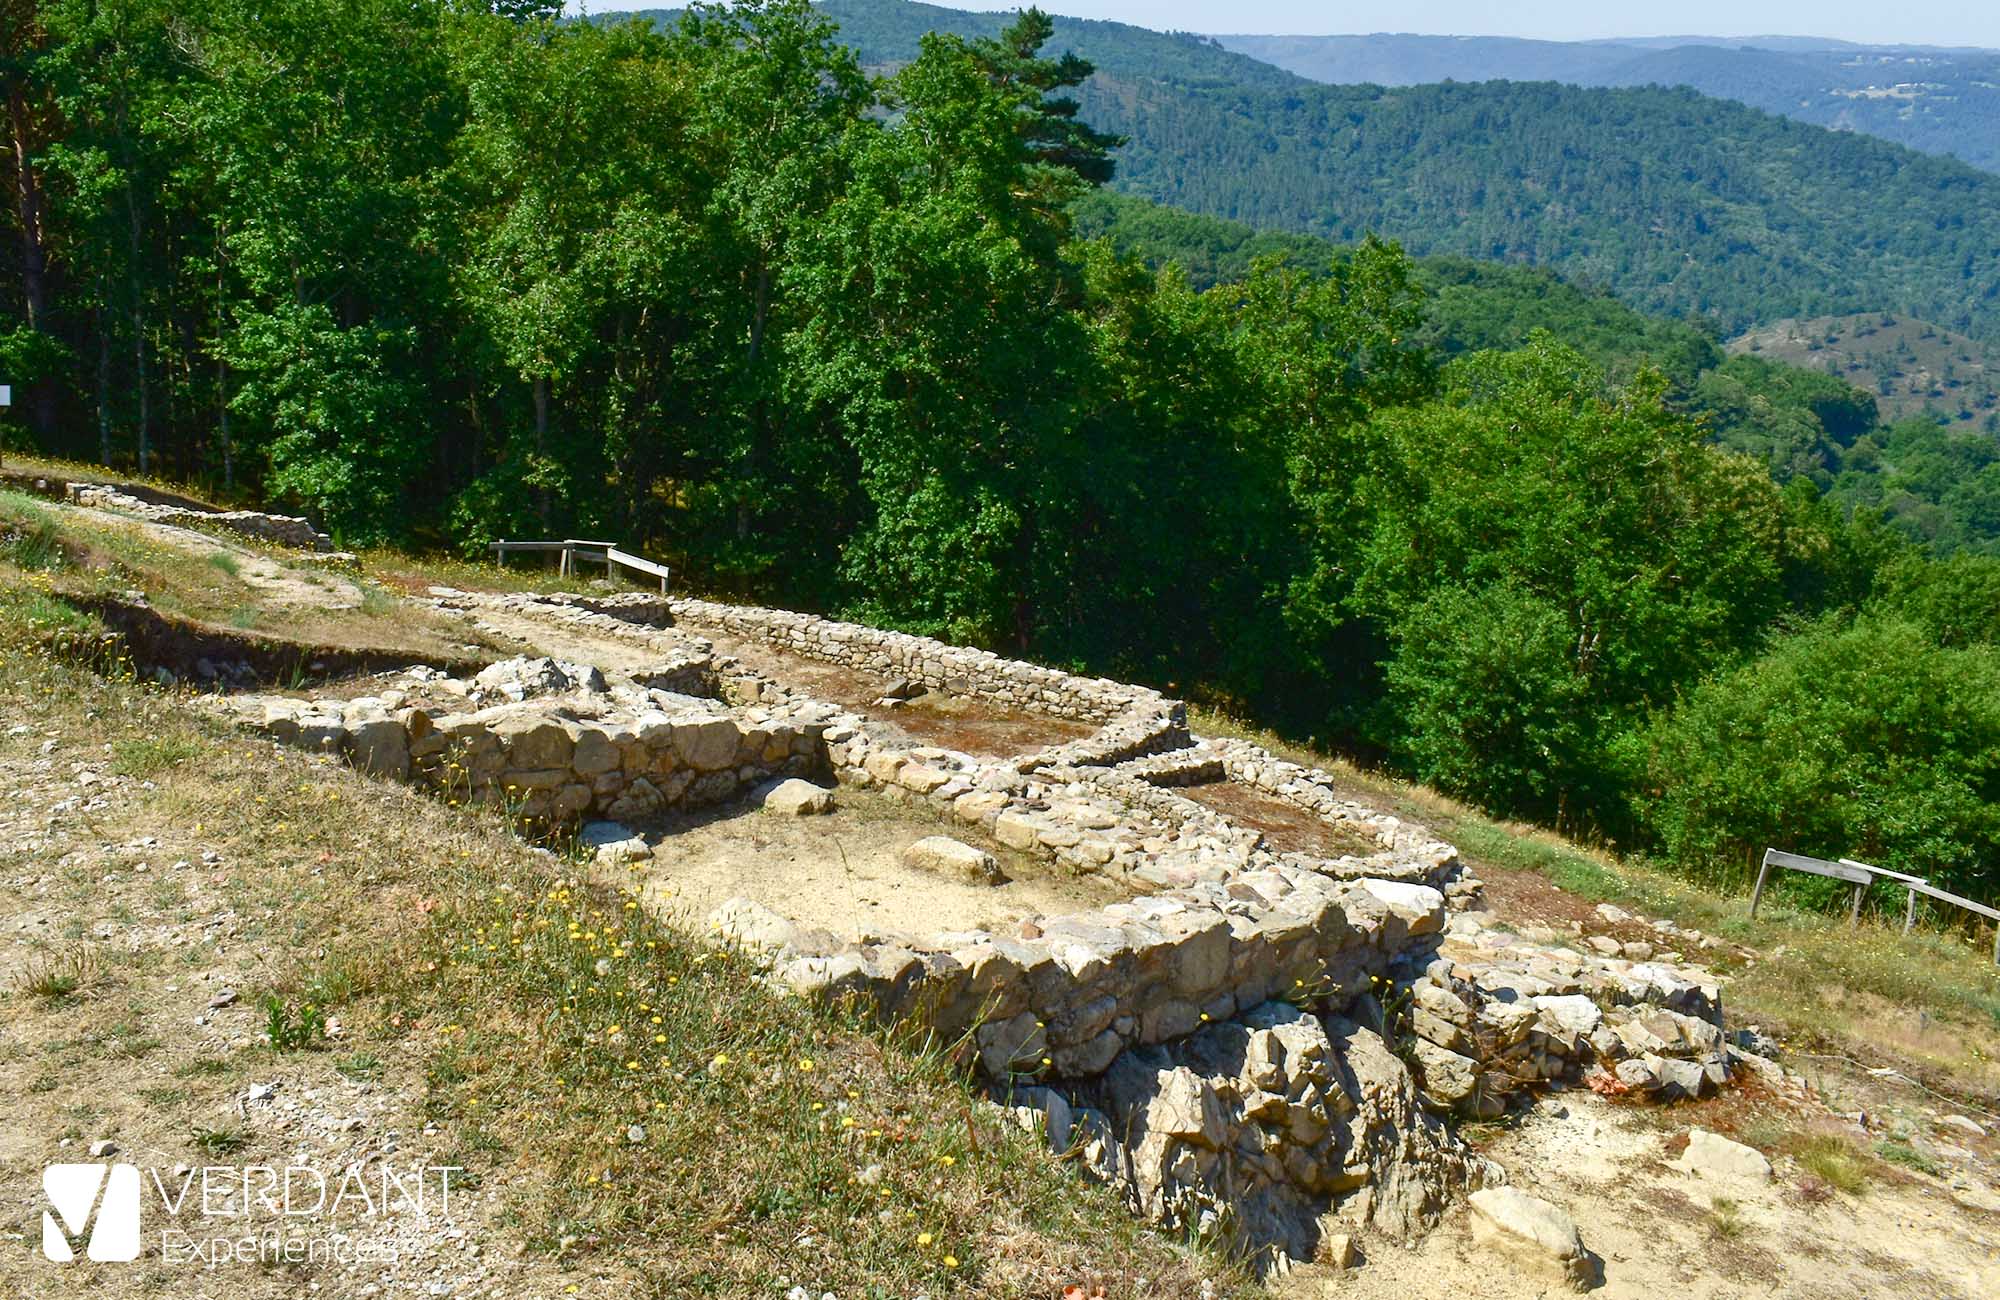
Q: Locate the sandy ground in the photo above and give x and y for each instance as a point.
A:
(844, 872)
(1656, 1229)
(614, 656)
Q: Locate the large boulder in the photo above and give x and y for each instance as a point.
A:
(751, 926)
(1533, 1229)
(1448, 1077)
(946, 856)
(794, 797)
(707, 745)
(1716, 1156)
(614, 844)
(515, 680)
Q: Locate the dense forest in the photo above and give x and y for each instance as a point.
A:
(1674, 201)
(438, 272)
(1929, 469)
(1943, 101)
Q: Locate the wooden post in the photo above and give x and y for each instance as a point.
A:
(1854, 914)
(1757, 894)
(1910, 913)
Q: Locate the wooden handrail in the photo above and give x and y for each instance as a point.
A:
(575, 548)
(1861, 875)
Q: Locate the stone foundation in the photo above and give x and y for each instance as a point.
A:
(582, 750)
(285, 530)
(1259, 1045)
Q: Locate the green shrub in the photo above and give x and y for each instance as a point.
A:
(1863, 740)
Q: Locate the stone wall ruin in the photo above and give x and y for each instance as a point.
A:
(1258, 1045)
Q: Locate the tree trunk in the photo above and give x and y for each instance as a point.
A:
(30, 209)
(753, 460)
(138, 329)
(222, 426)
(222, 372)
(28, 206)
(103, 387)
(541, 390)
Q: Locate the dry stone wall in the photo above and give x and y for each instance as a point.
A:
(571, 748)
(1067, 999)
(285, 530)
(1132, 720)
(1495, 1016)
(1248, 1132)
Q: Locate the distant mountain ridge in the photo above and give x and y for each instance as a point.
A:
(1937, 99)
(1674, 201)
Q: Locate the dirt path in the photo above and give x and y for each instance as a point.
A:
(640, 653)
(276, 583)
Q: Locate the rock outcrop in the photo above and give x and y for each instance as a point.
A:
(1269, 1131)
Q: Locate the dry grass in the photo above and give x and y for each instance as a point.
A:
(77, 471)
(80, 555)
(526, 1020)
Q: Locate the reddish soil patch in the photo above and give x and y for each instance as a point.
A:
(1286, 829)
(957, 722)
(1530, 898)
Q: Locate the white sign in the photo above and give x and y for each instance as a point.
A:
(6, 394)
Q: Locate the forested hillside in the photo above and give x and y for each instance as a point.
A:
(1943, 101)
(1674, 201)
(437, 274)
(1472, 304)
(1879, 413)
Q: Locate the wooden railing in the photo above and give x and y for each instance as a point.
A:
(1861, 875)
(575, 549)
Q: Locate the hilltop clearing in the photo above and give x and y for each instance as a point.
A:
(1912, 366)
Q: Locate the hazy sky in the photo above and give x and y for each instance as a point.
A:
(1913, 22)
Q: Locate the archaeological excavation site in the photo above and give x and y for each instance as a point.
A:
(1200, 971)
(1257, 1002)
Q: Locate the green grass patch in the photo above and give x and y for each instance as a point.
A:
(224, 1141)
(146, 756)
(1835, 1161)
(1898, 1152)
(59, 977)
(375, 602)
(360, 1066)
